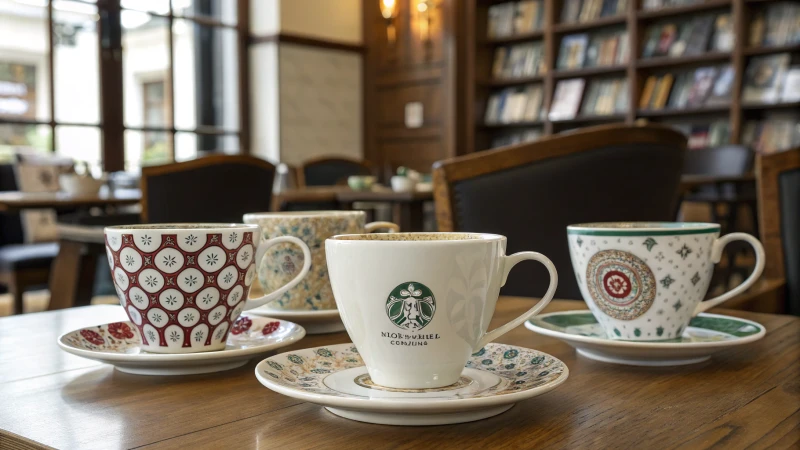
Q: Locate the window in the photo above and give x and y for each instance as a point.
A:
(156, 146)
(120, 84)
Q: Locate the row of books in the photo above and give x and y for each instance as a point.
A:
(517, 137)
(770, 79)
(691, 37)
(588, 10)
(778, 25)
(706, 135)
(508, 19)
(772, 135)
(704, 86)
(515, 105)
(602, 49)
(606, 97)
(658, 4)
(521, 60)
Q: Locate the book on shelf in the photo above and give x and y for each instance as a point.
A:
(607, 49)
(582, 11)
(514, 18)
(693, 88)
(567, 99)
(529, 16)
(661, 93)
(705, 135)
(514, 105)
(723, 86)
(704, 78)
(520, 60)
(763, 78)
(700, 35)
(791, 85)
(772, 135)
(606, 97)
(573, 51)
(781, 25)
(658, 4)
(501, 20)
(517, 137)
(685, 38)
(723, 34)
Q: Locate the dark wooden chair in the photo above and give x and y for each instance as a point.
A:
(530, 192)
(778, 181)
(216, 188)
(330, 171)
(22, 266)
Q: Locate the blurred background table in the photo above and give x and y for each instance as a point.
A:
(18, 201)
(407, 207)
(747, 395)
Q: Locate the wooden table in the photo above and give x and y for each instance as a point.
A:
(745, 396)
(17, 201)
(407, 206)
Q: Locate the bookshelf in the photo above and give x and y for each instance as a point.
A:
(634, 25)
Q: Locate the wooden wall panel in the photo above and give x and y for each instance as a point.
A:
(409, 70)
(418, 154)
(392, 101)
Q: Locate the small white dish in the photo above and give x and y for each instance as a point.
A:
(120, 345)
(494, 379)
(705, 335)
(402, 184)
(319, 321)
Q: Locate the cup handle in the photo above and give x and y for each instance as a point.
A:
(716, 255)
(372, 226)
(274, 295)
(509, 263)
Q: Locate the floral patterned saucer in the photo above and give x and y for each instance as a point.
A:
(705, 335)
(119, 344)
(315, 322)
(494, 379)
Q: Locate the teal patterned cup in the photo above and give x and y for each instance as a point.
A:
(645, 281)
(283, 262)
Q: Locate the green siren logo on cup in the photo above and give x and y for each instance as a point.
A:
(410, 306)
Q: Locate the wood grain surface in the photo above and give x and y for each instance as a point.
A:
(745, 396)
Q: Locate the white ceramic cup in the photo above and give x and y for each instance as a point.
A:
(184, 285)
(645, 281)
(416, 305)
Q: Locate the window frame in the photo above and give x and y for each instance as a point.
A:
(112, 122)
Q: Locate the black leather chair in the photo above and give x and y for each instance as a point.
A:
(778, 178)
(216, 188)
(22, 266)
(330, 171)
(531, 192)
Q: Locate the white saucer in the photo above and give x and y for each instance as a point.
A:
(315, 322)
(124, 352)
(335, 377)
(705, 335)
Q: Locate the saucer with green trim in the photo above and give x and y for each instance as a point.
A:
(705, 335)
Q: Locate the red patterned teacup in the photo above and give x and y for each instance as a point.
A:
(183, 285)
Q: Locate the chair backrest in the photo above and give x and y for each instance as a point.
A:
(330, 171)
(531, 192)
(10, 223)
(728, 160)
(778, 178)
(216, 188)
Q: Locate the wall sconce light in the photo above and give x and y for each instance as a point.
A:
(424, 18)
(389, 12)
